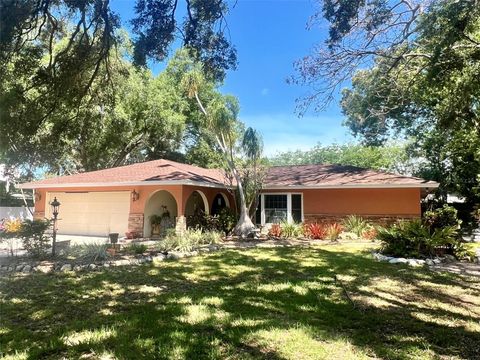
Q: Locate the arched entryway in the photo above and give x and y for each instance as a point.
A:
(220, 201)
(161, 208)
(195, 208)
(196, 202)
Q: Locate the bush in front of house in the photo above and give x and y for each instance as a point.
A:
(356, 225)
(34, 239)
(87, 252)
(189, 240)
(136, 249)
(315, 231)
(333, 231)
(444, 216)
(224, 221)
(291, 230)
(275, 231)
(417, 239)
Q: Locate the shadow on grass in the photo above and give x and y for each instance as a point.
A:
(231, 304)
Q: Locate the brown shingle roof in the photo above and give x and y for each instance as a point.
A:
(171, 172)
(150, 171)
(337, 176)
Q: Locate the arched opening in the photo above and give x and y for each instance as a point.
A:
(160, 214)
(220, 201)
(195, 207)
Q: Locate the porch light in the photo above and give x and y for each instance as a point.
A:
(135, 195)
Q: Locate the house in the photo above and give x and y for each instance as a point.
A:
(123, 199)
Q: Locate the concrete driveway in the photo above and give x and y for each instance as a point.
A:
(15, 245)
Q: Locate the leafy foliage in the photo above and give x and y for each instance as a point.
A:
(89, 252)
(189, 240)
(417, 239)
(390, 157)
(136, 248)
(10, 228)
(333, 231)
(444, 216)
(275, 231)
(355, 224)
(34, 239)
(291, 230)
(315, 231)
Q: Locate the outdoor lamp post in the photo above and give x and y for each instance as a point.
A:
(55, 204)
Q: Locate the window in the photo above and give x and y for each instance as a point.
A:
(297, 208)
(275, 208)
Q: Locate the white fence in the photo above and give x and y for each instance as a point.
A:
(9, 212)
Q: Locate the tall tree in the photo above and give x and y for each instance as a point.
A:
(390, 157)
(220, 116)
(419, 80)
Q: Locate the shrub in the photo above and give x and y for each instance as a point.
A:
(33, 236)
(10, 228)
(291, 230)
(226, 220)
(315, 231)
(442, 217)
(275, 231)
(333, 231)
(136, 248)
(355, 224)
(88, 252)
(189, 240)
(370, 233)
(417, 239)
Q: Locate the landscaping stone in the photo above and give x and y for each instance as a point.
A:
(413, 262)
(66, 267)
(77, 268)
(92, 266)
(437, 261)
(175, 255)
(19, 267)
(159, 257)
(398, 261)
(27, 269)
(46, 268)
(429, 262)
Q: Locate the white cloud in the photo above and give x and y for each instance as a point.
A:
(282, 132)
(265, 91)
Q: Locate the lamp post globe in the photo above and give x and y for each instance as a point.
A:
(55, 204)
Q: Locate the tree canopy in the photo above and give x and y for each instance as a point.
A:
(390, 157)
(414, 67)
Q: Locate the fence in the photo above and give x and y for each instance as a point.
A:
(9, 212)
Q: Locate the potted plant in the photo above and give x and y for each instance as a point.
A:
(155, 222)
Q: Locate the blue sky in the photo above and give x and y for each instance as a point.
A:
(269, 36)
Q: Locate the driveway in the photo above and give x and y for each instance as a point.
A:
(15, 245)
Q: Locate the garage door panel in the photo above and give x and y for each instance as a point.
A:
(92, 213)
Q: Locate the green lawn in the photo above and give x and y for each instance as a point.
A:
(280, 303)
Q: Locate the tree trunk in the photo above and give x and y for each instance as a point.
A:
(244, 225)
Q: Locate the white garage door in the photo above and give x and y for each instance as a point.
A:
(91, 213)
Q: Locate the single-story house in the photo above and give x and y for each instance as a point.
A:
(124, 198)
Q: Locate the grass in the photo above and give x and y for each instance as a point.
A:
(280, 303)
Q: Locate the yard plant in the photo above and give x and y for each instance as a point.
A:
(280, 303)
